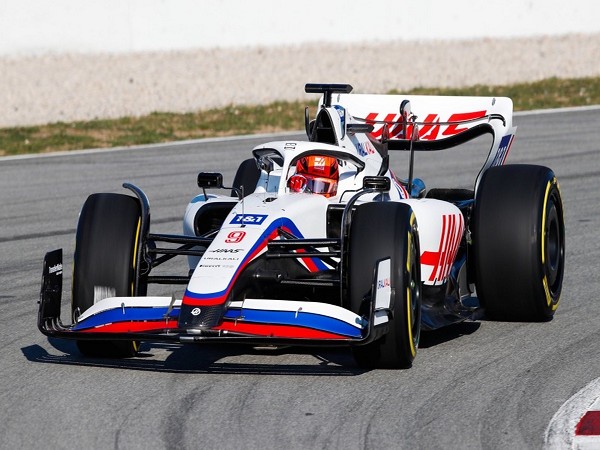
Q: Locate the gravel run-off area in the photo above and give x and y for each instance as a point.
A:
(67, 87)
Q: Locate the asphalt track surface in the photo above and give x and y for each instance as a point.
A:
(479, 384)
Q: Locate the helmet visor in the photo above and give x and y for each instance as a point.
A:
(318, 185)
(313, 185)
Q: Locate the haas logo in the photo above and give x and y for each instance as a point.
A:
(430, 129)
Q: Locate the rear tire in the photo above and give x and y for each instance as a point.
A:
(519, 242)
(105, 258)
(379, 231)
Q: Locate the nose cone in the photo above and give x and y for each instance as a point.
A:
(200, 317)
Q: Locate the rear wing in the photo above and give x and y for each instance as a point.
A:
(429, 119)
(426, 122)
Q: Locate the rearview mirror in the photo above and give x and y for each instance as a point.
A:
(377, 183)
(210, 180)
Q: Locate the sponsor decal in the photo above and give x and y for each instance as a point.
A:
(365, 148)
(57, 269)
(342, 113)
(220, 258)
(235, 237)
(503, 150)
(248, 219)
(383, 292)
(218, 266)
(381, 284)
(429, 130)
(195, 312)
(226, 250)
(319, 163)
(442, 260)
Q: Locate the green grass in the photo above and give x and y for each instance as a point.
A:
(278, 116)
(550, 93)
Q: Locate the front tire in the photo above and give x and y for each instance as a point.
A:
(108, 236)
(381, 231)
(519, 242)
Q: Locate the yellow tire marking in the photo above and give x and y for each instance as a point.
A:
(135, 344)
(409, 252)
(544, 279)
(550, 183)
(413, 350)
(547, 290)
(135, 252)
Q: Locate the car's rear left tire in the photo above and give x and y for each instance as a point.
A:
(380, 231)
(106, 247)
(519, 242)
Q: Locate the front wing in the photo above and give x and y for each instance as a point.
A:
(251, 321)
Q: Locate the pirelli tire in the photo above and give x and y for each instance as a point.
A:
(519, 242)
(106, 248)
(381, 231)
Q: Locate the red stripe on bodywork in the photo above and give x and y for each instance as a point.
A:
(440, 253)
(453, 248)
(589, 424)
(450, 237)
(448, 246)
(277, 331)
(209, 301)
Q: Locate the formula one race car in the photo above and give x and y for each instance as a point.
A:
(318, 242)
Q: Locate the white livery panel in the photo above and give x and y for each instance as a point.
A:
(441, 227)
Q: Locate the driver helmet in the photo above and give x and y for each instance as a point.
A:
(317, 174)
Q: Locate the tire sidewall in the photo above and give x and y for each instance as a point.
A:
(510, 217)
(106, 249)
(380, 231)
